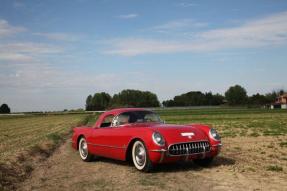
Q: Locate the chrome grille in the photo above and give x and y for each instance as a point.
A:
(189, 148)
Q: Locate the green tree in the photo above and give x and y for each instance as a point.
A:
(257, 99)
(100, 101)
(135, 98)
(5, 108)
(89, 103)
(194, 98)
(236, 95)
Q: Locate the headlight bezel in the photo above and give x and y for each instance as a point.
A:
(156, 136)
(214, 134)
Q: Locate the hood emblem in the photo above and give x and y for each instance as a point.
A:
(189, 134)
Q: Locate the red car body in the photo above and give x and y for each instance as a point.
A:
(181, 141)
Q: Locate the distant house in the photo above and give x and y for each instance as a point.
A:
(280, 103)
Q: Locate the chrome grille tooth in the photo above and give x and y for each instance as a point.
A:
(193, 147)
(184, 149)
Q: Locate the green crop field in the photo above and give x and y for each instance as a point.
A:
(18, 133)
(232, 122)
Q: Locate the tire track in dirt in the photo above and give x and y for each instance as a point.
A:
(65, 171)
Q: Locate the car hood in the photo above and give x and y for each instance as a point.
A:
(178, 133)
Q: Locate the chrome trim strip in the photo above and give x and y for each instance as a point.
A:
(158, 150)
(188, 154)
(110, 146)
(218, 145)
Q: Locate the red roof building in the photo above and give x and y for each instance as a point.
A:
(281, 102)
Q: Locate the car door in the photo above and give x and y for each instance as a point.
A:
(109, 141)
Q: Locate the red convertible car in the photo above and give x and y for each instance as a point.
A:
(140, 136)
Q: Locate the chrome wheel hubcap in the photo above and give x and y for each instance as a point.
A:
(84, 149)
(140, 155)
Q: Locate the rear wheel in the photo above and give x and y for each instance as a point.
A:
(83, 150)
(140, 157)
(203, 162)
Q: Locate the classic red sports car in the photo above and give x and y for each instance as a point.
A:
(140, 135)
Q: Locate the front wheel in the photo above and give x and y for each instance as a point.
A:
(140, 157)
(83, 150)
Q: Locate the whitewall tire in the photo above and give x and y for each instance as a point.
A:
(83, 150)
(140, 157)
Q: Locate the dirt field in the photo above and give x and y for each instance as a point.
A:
(239, 167)
(254, 155)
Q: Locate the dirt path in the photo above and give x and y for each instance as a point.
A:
(232, 170)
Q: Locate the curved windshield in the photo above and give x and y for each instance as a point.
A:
(136, 117)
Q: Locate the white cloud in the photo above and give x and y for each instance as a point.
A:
(185, 4)
(26, 51)
(30, 47)
(15, 57)
(129, 16)
(6, 29)
(267, 31)
(179, 24)
(135, 46)
(59, 36)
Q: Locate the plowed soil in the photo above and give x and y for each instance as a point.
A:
(246, 163)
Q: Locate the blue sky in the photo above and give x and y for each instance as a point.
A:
(54, 53)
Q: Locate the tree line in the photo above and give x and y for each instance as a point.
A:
(125, 98)
(234, 96)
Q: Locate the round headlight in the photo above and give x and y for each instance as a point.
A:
(214, 135)
(158, 139)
